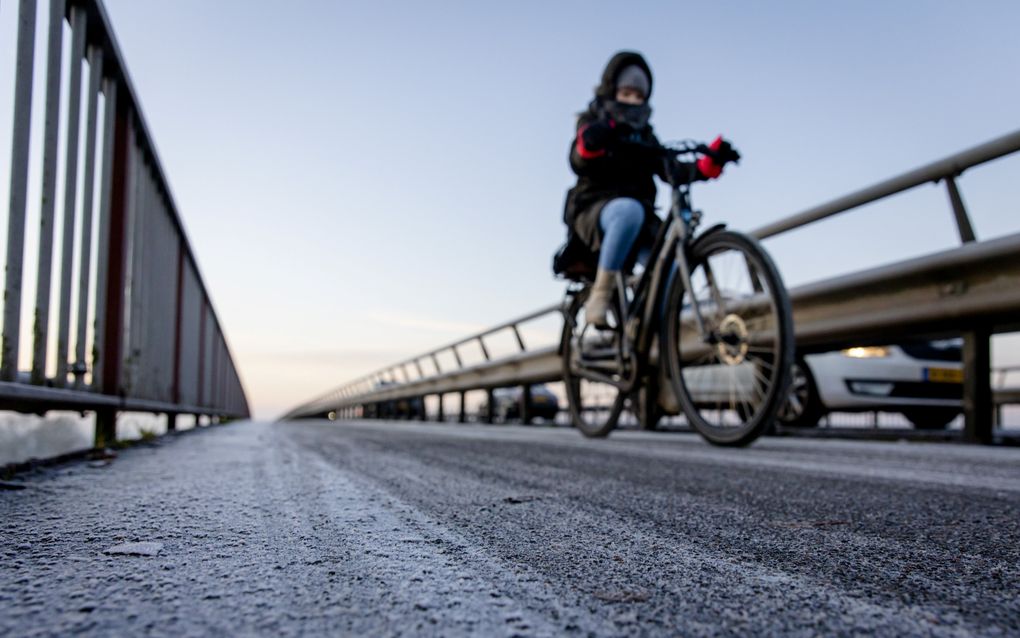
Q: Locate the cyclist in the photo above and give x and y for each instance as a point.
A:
(611, 208)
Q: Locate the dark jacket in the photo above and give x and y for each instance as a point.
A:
(622, 167)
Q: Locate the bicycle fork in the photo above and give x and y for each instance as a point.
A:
(676, 247)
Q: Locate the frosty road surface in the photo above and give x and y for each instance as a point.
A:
(386, 528)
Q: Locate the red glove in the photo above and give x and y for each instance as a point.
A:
(712, 167)
(593, 140)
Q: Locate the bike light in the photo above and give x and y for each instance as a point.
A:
(867, 352)
(874, 389)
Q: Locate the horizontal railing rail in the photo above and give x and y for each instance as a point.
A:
(972, 290)
(134, 327)
(946, 169)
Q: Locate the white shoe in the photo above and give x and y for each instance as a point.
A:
(596, 309)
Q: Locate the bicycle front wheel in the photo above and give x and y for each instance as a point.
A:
(730, 384)
(593, 371)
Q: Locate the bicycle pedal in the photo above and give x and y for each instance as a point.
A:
(599, 355)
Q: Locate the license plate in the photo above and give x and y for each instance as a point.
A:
(540, 399)
(943, 375)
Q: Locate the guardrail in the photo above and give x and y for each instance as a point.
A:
(154, 342)
(525, 367)
(973, 290)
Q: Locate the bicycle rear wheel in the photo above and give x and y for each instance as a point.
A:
(594, 371)
(731, 387)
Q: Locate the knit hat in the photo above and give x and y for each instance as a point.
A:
(606, 90)
(633, 77)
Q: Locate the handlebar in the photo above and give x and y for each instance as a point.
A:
(688, 147)
(675, 149)
(670, 153)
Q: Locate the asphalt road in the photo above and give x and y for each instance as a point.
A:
(389, 529)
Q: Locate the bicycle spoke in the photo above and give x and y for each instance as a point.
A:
(733, 389)
(731, 393)
(760, 378)
(762, 362)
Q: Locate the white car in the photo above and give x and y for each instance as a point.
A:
(921, 379)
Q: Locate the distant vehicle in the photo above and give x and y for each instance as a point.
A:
(923, 380)
(507, 403)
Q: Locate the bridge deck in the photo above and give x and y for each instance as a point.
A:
(380, 528)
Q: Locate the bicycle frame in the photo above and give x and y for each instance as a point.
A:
(670, 247)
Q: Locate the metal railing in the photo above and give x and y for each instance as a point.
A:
(525, 366)
(973, 290)
(145, 336)
(945, 170)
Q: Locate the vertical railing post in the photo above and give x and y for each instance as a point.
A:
(112, 285)
(520, 341)
(70, 194)
(178, 315)
(977, 387)
(214, 368)
(104, 245)
(20, 140)
(49, 192)
(80, 367)
(138, 257)
(224, 371)
(963, 224)
(201, 352)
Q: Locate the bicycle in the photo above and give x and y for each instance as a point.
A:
(709, 315)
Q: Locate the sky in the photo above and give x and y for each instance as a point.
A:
(365, 181)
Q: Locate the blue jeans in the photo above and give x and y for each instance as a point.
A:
(621, 220)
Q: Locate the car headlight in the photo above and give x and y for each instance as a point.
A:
(866, 352)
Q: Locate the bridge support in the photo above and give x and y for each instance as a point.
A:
(439, 413)
(106, 427)
(490, 409)
(977, 387)
(462, 417)
(525, 408)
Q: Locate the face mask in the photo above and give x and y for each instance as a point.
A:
(633, 115)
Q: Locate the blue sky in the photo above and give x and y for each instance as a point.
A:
(362, 181)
